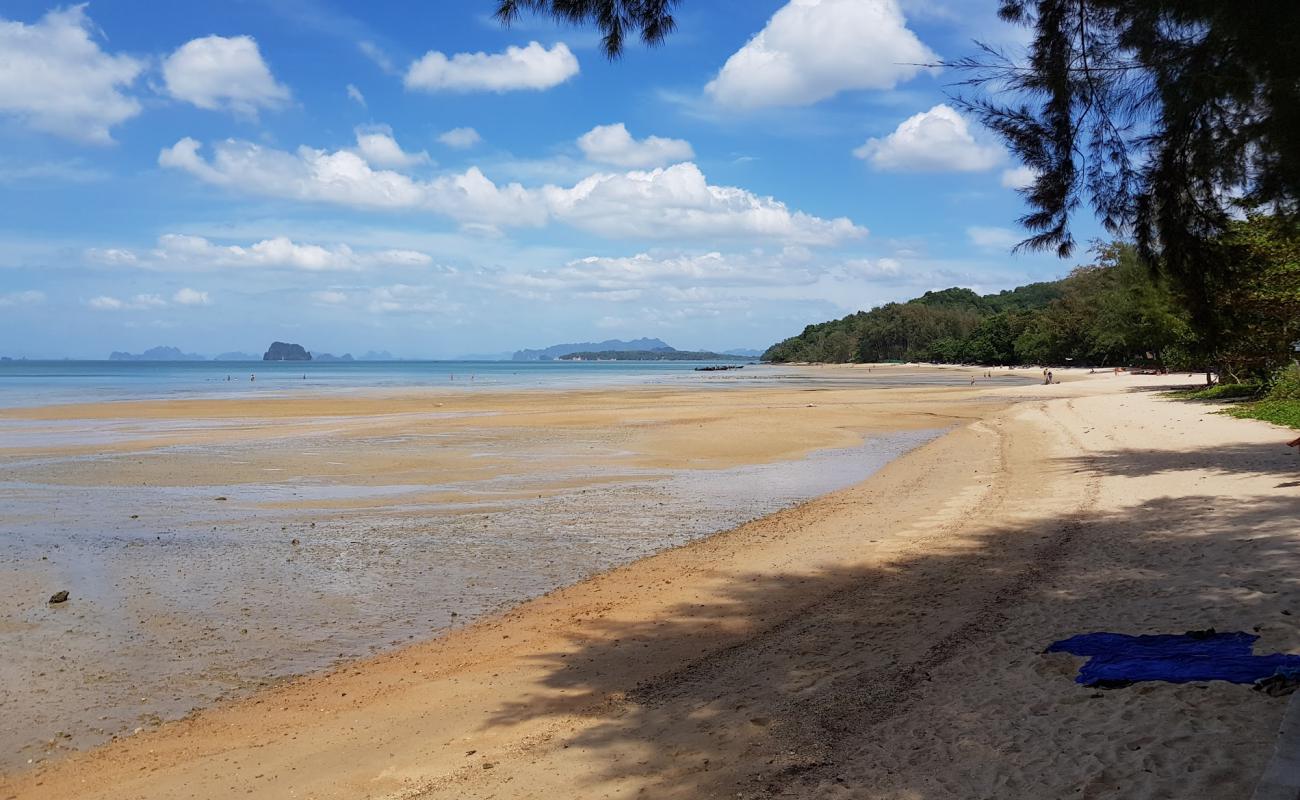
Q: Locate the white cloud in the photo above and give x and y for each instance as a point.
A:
(401, 298)
(938, 140)
(376, 54)
(664, 203)
(181, 251)
(56, 79)
(532, 67)
(871, 268)
(992, 238)
(105, 303)
(378, 147)
(139, 302)
(355, 95)
(460, 138)
(813, 49)
(27, 298)
(677, 201)
(220, 73)
(675, 277)
(330, 297)
(1018, 178)
(612, 144)
(191, 297)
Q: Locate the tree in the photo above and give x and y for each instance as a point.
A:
(1168, 116)
(652, 19)
(1257, 302)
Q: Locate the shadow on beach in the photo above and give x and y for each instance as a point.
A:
(924, 677)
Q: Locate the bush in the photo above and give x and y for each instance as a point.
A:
(1278, 412)
(1226, 391)
(1285, 384)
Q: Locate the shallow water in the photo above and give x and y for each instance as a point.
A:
(180, 598)
(30, 383)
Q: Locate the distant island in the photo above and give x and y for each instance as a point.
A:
(157, 354)
(332, 357)
(669, 354)
(559, 350)
(284, 351)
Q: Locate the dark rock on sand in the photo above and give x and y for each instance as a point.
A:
(59, 597)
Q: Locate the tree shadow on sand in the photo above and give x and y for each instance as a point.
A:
(1238, 459)
(924, 677)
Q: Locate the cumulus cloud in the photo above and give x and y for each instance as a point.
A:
(56, 79)
(191, 297)
(181, 251)
(139, 302)
(1018, 178)
(938, 140)
(355, 95)
(813, 49)
(378, 147)
(533, 67)
(993, 238)
(612, 144)
(223, 73)
(688, 277)
(27, 298)
(676, 201)
(460, 138)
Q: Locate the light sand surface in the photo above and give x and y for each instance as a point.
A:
(884, 641)
(212, 547)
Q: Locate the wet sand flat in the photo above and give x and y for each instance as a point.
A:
(216, 547)
(882, 641)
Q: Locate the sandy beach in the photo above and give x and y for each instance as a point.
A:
(881, 641)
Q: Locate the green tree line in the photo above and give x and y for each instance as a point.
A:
(1117, 311)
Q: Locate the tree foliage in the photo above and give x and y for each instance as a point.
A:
(1163, 114)
(1112, 313)
(652, 20)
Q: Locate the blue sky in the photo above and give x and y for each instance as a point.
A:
(416, 178)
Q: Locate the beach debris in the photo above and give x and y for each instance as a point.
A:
(1280, 683)
(220, 497)
(294, 542)
(59, 597)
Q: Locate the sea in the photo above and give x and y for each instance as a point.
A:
(35, 383)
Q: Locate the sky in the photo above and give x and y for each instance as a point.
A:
(417, 178)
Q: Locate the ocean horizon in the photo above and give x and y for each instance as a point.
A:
(47, 382)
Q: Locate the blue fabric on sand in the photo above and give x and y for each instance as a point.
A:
(1118, 658)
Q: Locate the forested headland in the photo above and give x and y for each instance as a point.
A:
(1116, 311)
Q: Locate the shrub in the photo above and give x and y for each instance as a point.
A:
(1285, 384)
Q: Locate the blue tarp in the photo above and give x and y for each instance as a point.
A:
(1118, 659)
